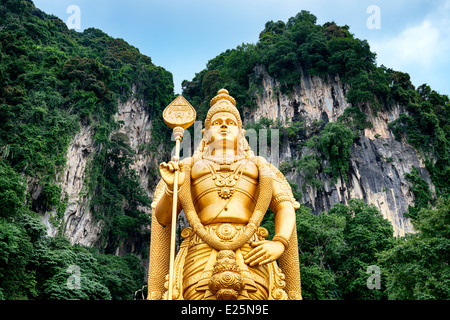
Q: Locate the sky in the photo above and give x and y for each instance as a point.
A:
(411, 36)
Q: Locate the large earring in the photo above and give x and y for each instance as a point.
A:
(203, 145)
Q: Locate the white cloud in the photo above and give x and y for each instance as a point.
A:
(421, 50)
(420, 45)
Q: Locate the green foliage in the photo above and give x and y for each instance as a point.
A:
(33, 266)
(12, 192)
(355, 119)
(418, 265)
(320, 244)
(309, 166)
(295, 131)
(366, 235)
(360, 90)
(17, 279)
(421, 191)
(52, 82)
(336, 249)
(335, 142)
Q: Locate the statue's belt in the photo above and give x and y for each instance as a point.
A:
(223, 232)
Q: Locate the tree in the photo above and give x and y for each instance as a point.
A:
(335, 142)
(366, 235)
(17, 280)
(321, 244)
(418, 265)
(336, 249)
(12, 192)
(313, 54)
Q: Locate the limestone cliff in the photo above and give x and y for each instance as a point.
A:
(77, 221)
(378, 162)
(78, 224)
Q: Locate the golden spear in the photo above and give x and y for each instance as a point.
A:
(179, 115)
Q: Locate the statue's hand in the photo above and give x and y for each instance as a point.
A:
(264, 252)
(167, 171)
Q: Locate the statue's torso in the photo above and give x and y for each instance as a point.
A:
(224, 194)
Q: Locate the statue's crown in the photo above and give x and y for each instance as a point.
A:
(223, 102)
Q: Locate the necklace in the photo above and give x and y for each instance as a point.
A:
(225, 159)
(225, 179)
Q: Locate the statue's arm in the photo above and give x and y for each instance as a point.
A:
(163, 208)
(283, 207)
(284, 222)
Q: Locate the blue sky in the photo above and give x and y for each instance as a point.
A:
(412, 36)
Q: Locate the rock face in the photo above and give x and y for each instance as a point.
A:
(313, 99)
(78, 222)
(378, 162)
(136, 124)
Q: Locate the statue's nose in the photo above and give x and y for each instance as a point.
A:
(223, 126)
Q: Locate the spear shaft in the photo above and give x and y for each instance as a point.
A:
(178, 115)
(178, 133)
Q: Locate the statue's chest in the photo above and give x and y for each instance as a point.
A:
(208, 176)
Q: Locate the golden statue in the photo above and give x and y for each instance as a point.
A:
(224, 191)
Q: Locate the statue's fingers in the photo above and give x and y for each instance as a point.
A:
(268, 260)
(257, 243)
(252, 252)
(259, 260)
(255, 254)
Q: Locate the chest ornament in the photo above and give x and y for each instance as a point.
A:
(226, 179)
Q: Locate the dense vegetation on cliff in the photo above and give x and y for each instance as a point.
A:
(53, 81)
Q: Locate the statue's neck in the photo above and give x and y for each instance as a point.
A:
(229, 153)
(225, 156)
(224, 150)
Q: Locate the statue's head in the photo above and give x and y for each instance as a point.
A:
(223, 103)
(223, 126)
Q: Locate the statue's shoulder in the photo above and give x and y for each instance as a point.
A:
(199, 168)
(188, 162)
(259, 161)
(279, 181)
(263, 164)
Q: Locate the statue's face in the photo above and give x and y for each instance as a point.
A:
(224, 131)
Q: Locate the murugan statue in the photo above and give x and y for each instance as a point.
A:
(225, 191)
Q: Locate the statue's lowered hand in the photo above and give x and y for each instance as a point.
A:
(167, 171)
(264, 252)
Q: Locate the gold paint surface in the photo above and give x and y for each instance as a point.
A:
(225, 192)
